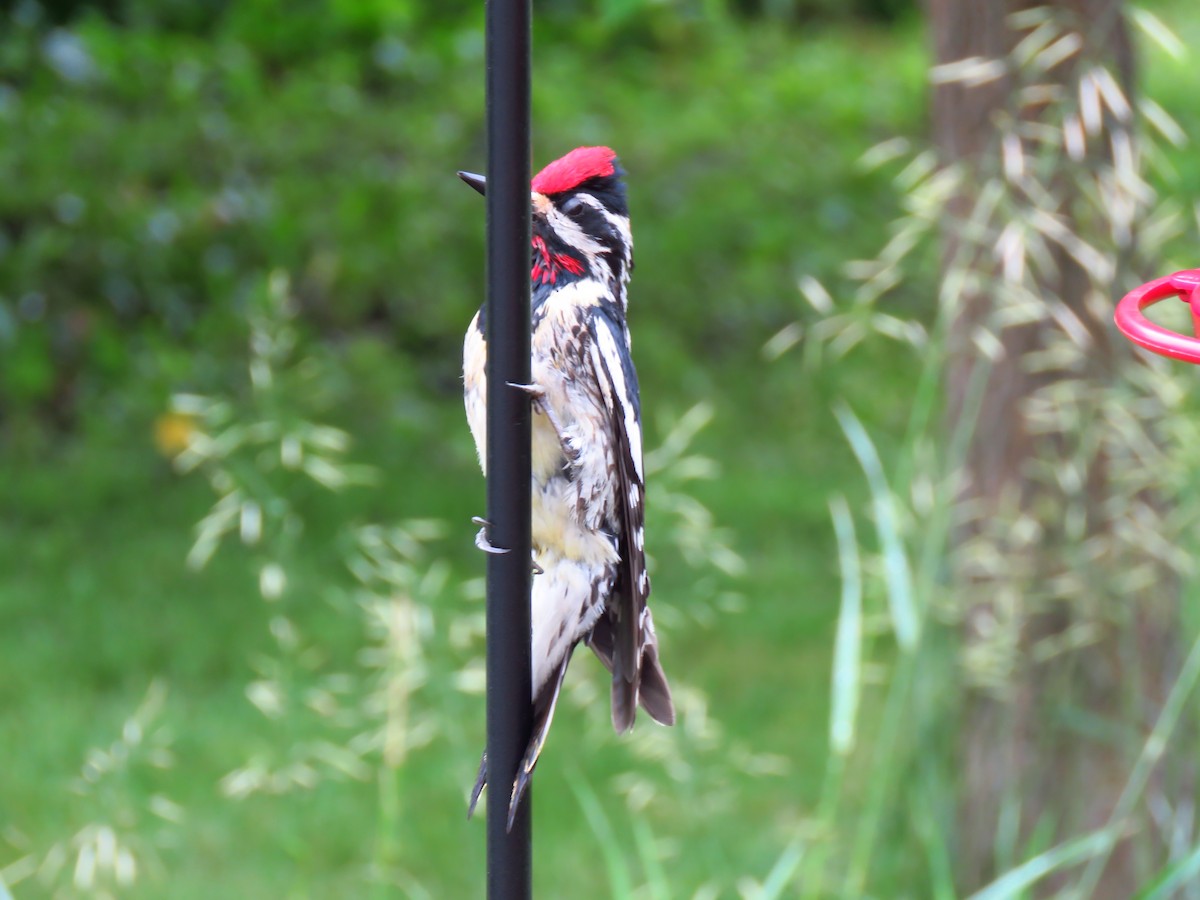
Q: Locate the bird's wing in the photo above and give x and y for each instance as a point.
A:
(624, 636)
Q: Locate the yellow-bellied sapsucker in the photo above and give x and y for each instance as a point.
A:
(588, 489)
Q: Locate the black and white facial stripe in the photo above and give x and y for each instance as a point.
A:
(592, 222)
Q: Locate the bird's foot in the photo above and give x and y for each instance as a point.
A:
(537, 394)
(481, 539)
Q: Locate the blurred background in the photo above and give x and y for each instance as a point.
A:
(921, 525)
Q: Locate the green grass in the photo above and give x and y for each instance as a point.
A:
(97, 604)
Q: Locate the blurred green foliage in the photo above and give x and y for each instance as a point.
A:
(165, 165)
(169, 154)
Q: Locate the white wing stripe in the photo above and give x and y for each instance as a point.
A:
(611, 356)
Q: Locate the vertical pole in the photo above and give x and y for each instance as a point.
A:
(509, 708)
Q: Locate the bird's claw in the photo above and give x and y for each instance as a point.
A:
(481, 538)
(537, 394)
(536, 391)
(482, 542)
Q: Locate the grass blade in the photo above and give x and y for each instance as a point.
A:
(933, 839)
(647, 847)
(897, 574)
(847, 651)
(1034, 870)
(614, 862)
(783, 871)
(1182, 873)
(1152, 752)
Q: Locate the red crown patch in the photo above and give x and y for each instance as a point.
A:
(573, 169)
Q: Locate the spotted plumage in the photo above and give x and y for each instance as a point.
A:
(588, 484)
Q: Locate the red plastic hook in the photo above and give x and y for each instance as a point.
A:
(1144, 333)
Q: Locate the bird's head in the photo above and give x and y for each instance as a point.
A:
(580, 218)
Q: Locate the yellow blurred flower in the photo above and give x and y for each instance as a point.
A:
(173, 432)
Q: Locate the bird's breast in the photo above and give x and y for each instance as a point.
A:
(559, 533)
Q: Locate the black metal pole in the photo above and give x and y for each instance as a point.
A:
(509, 708)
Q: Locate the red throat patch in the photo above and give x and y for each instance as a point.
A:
(547, 266)
(573, 169)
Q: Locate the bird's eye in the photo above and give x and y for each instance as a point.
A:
(574, 207)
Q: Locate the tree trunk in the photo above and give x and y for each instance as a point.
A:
(1050, 748)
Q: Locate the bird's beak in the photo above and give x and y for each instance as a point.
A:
(476, 181)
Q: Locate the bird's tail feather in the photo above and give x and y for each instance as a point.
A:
(649, 688)
(654, 693)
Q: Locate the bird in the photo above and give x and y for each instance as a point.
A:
(588, 488)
